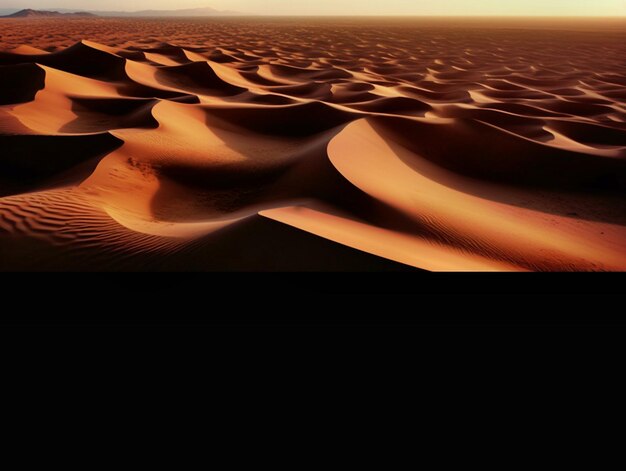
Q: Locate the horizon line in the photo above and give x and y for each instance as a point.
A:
(275, 15)
(230, 13)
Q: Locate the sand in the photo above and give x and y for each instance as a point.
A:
(317, 144)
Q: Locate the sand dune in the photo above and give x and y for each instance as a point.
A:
(322, 145)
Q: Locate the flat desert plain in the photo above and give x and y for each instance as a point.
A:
(312, 144)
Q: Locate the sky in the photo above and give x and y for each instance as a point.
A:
(352, 7)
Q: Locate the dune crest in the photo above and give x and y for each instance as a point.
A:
(332, 146)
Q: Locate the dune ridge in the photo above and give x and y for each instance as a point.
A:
(285, 146)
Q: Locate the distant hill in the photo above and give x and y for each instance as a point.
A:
(60, 12)
(28, 13)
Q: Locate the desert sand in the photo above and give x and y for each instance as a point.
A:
(312, 144)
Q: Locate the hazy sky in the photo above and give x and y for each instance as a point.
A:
(353, 7)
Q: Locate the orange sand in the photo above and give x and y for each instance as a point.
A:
(240, 144)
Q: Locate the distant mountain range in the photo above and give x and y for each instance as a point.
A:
(28, 13)
(62, 12)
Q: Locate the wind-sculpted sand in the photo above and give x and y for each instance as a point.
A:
(311, 145)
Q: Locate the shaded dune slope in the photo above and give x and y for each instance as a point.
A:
(435, 153)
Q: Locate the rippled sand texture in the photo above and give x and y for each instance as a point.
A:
(320, 145)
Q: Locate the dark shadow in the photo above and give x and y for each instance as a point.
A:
(29, 162)
(103, 114)
(20, 83)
